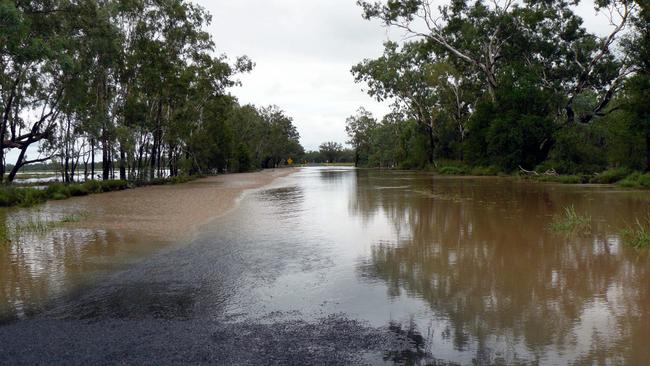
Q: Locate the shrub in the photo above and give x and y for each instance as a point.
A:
(113, 185)
(451, 170)
(485, 170)
(78, 190)
(611, 176)
(30, 196)
(563, 179)
(8, 196)
(576, 151)
(59, 196)
(513, 131)
(171, 180)
(57, 191)
(636, 180)
(92, 186)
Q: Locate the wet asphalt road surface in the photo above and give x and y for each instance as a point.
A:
(198, 303)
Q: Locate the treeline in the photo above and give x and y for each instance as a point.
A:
(136, 82)
(508, 85)
(329, 152)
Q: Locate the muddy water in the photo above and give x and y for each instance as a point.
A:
(468, 263)
(43, 259)
(466, 268)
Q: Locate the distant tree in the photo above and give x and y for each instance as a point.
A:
(313, 157)
(331, 151)
(360, 128)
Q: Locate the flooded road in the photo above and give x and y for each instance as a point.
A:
(335, 265)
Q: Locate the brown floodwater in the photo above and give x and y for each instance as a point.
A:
(42, 258)
(470, 265)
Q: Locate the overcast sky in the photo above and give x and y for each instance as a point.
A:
(303, 50)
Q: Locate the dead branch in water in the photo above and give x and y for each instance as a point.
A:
(549, 172)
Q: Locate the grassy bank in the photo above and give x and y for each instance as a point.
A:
(620, 176)
(27, 196)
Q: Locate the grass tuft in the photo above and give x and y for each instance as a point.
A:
(572, 222)
(637, 236)
(35, 226)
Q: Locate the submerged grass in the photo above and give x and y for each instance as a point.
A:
(571, 222)
(36, 226)
(637, 236)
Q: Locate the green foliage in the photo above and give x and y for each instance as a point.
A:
(77, 190)
(511, 132)
(452, 170)
(563, 179)
(171, 180)
(551, 95)
(577, 149)
(11, 196)
(484, 170)
(636, 180)
(625, 142)
(415, 149)
(610, 176)
(637, 236)
(243, 158)
(571, 222)
(137, 81)
(25, 196)
(361, 131)
(331, 151)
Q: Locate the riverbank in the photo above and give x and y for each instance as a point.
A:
(39, 192)
(621, 177)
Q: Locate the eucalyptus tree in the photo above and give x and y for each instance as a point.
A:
(400, 75)
(331, 151)
(637, 99)
(34, 69)
(359, 129)
(488, 38)
(281, 140)
(137, 80)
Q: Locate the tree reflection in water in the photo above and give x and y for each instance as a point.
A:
(37, 267)
(479, 253)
